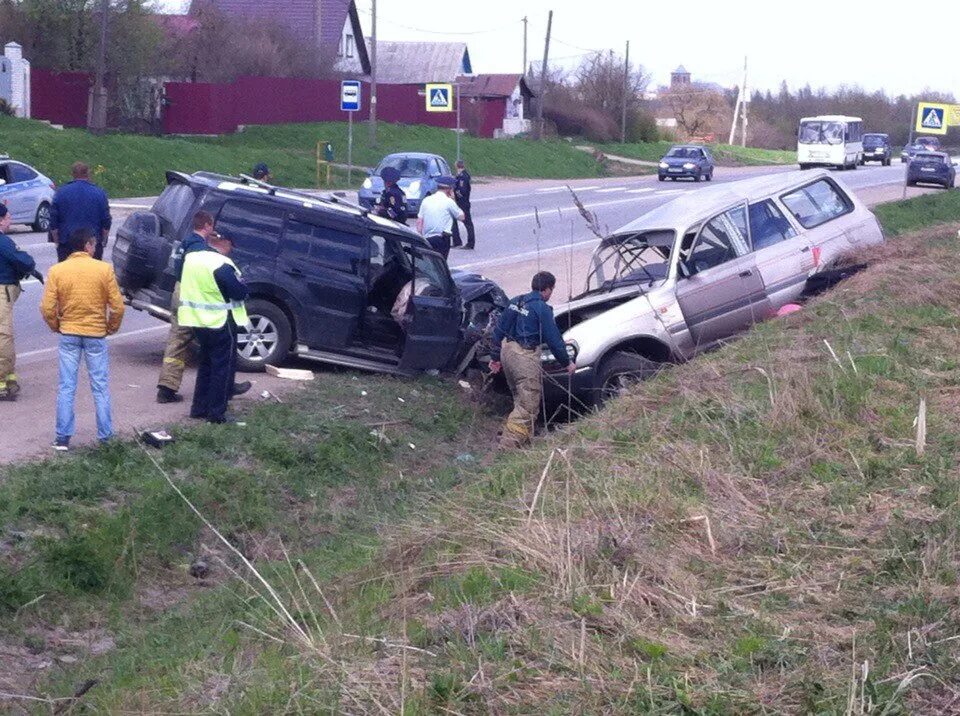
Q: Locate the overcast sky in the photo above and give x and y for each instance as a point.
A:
(798, 42)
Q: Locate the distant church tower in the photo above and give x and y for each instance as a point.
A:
(679, 77)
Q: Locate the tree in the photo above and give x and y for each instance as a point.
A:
(699, 112)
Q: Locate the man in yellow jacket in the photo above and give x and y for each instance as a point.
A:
(82, 303)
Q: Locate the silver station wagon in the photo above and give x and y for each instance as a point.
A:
(700, 269)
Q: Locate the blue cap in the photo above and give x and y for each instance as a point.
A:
(260, 171)
(447, 181)
(391, 174)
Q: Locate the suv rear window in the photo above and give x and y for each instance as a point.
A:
(173, 205)
(817, 203)
(340, 250)
(254, 228)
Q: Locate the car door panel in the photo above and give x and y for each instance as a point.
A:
(783, 256)
(433, 332)
(323, 267)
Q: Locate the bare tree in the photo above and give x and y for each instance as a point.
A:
(699, 112)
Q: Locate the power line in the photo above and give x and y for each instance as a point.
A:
(443, 32)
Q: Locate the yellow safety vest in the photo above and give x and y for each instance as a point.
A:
(201, 303)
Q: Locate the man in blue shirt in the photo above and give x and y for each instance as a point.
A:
(79, 204)
(527, 324)
(15, 265)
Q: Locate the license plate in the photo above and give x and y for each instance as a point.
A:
(927, 169)
(675, 169)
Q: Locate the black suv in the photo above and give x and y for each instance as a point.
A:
(877, 148)
(323, 277)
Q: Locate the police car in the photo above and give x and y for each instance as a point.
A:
(26, 193)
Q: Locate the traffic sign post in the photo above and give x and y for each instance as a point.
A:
(440, 98)
(937, 117)
(350, 103)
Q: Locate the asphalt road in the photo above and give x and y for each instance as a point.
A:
(516, 221)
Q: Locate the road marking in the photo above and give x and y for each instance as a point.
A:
(611, 189)
(665, 192)
(527, 255)
(116, 337)
(547, 212)
(640, 191)
(131, 206)
(498, 198)
(551, 189)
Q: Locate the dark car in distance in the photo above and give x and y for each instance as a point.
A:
(920, 144)
(686, 160)
(418, 178)
(877, 148)
(324, 277)
(931, 168)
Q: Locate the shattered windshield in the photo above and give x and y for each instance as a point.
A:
(821, 133)
(407, 166)
(640, 259)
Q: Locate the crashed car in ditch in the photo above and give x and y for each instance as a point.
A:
(328, 281)
(697, 270)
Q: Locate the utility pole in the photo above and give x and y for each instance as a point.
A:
(626, 95)
(97, 109)
(524, 46)
(543, 76)
(373, 76)
(745, 105)
(739, 107)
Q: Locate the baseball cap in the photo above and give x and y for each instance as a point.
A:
(260, 171)
(390, 174)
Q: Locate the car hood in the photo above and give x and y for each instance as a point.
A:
(473, 286)
(598, 298)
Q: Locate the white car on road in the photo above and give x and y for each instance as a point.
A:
(26, 193)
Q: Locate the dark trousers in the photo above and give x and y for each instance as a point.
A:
(467, 222)
(441, 243)
(64, 251)
(215, 372)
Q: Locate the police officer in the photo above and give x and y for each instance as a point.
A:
(261, 172)
(526, 324)
(211, 302)
(15, 265)
(392, 202)
(461, 194)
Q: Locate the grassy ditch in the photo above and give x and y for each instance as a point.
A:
(133, 165)
(761, 530)
(725, 154)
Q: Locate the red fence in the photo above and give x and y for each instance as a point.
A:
(201, 108)
(204, 108)
(59, 97)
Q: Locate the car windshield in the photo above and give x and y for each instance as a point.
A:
(873, 140)
(173, 205)
(639, 260)
(684, 153)
(821, 133)
(407, 166)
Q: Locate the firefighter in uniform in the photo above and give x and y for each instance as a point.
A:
(211, 303)
(392, 203)
(527, 324)
(15, 265)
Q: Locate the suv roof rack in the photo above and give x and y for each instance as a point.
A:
(273, 189)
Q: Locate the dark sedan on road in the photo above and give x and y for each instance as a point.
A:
(686, 161)
(418, 178)
(931, 168)
(877, 148)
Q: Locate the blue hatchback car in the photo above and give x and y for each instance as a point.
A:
(418, 178)
(686, 160)
(931, 168)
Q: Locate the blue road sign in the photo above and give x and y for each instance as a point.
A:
(350, 96)
(932, 118)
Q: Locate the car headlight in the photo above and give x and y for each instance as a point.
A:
(689, 165)
(664, 165)
(413, 187)
(572, 350)
(368, 183)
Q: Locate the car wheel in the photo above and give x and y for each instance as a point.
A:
(710, 175)
(269, 340)
(42, 221)
(698, 176)
(619, 372)
(662, 178)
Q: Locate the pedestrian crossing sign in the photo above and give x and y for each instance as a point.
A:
(439, 97)
(933, 118)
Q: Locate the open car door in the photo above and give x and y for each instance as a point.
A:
(434, 313)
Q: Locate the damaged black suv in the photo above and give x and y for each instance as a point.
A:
(324, 277)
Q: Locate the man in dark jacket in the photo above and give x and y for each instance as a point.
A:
(79, 204)
(392, 203)
(527, 324)
(461, 194)
(15, 265)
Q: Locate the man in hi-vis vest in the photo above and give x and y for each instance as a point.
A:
(211, 302)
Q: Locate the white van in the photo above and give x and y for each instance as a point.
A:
(831, 140)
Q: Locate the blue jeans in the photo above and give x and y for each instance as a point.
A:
(94, 350)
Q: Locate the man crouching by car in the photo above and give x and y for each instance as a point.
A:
(526, 324)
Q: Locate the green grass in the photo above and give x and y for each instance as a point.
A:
(134, 165)
(926, 210)
(725, 154)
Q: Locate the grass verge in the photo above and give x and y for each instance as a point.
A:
(725, 154)
(765, 529)
(134, 165)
